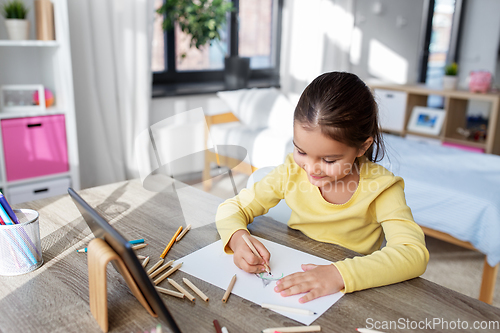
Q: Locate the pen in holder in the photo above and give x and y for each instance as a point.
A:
(20, 245)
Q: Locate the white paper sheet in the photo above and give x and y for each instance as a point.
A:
(211, 264)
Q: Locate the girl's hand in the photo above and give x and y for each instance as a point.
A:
(316, 281)
(243, 256)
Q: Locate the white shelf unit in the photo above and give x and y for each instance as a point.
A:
(47, 63)
(455, 108)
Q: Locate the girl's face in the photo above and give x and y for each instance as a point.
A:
(324, 160)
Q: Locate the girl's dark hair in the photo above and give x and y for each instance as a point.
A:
(345, 110)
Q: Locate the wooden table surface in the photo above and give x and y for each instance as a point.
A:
(54, 298)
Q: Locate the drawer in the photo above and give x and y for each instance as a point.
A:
(39, 190)
(392, 109)
(34, 146)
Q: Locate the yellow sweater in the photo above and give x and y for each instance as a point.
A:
(377, 207)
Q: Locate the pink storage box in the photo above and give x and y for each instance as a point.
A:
(34, 146)
(463, 147)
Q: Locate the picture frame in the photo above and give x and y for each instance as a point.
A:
(15, 98)
(425, 120)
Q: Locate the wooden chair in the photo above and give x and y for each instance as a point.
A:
(222, 161)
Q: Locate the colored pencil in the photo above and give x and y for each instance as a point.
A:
(141, 257)
(140, 246)
(8, 209)
(217, 326)
(161, 269)
(254, 250)
(313, 328)
(288, 309)
(136, 241)
(171, 243)
(195, 289)
(183, 233)
(131, 242)
(167, 274)
(229, 289)
(170, 292)
(181, 289)
(151, 270)
(145, 262)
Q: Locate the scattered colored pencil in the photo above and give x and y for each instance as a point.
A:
(155, 266)
(170, 292)
(145, 262)
(312, 328)
(183, 233)
(171, 243)
(161, 269)
(195, 289)
(140, 246)
(229, 289)
(182, 290)
(167, 274)
(288, 309)
(217, 326)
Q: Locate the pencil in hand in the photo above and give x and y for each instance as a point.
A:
(254, 250)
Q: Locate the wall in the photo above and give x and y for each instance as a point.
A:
(386, 40)
(480, 38)
(316, 38)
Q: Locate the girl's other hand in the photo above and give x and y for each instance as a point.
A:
(316, 281)
(243, 256)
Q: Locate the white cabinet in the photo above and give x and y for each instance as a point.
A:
(47, 63)
(392, 109)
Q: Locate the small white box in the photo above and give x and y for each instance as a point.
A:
(39, 190)
(392, 109)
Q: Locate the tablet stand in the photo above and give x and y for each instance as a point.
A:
(99, 255)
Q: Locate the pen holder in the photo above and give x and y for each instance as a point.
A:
(20, 246)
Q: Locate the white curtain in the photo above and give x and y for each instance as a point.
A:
(316, 38)
(111, 55)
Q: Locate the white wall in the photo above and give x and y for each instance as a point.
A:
(316, 38)
(480, 38)
(387, 40)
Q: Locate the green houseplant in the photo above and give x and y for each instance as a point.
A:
(202, 20)
(450, 78)
(15, 12)
(451, 69)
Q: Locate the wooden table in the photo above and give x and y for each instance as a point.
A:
(54, 298)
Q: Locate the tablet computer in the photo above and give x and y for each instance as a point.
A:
(102, 229)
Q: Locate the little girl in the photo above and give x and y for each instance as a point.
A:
(337, 195)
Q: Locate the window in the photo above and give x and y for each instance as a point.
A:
(442, 36)
(441, 43)
(257, 36)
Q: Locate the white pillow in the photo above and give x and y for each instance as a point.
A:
(261, 108)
